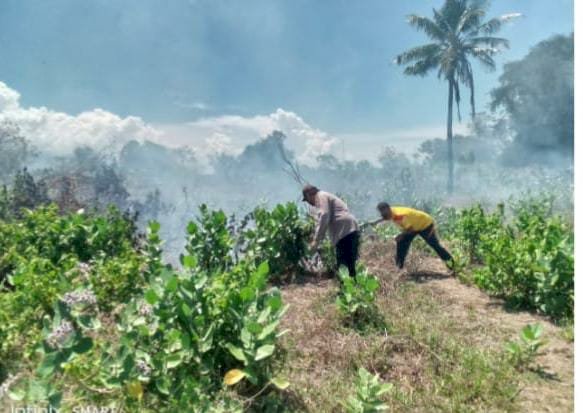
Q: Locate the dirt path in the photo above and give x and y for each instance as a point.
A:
(322, 351)
(494, 324)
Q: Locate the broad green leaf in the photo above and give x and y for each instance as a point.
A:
(254, 327)
(263, 315)
(280, 383)
(275, 302)
(363, 374)
(173, 360)
(372, 284)
(263, 270)
(385, 388)
(247, 294)
(172, 284)
(246, 337)
(188, 261)
(191, 228)
(186, 310)
(163, 385)
(151, 297)
(268, 329)
(154, 226)
(50, 362)
(83, 345)
(38, 390)
(236, 352)
(264, 351)
(200, 281)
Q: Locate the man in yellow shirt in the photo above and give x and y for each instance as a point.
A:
(413, 222)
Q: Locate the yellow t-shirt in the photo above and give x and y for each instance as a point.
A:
(410, 219)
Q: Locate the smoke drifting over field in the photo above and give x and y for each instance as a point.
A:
(58, 133)
(165, 172)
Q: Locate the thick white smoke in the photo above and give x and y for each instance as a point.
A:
(59, 133)
(230, 134)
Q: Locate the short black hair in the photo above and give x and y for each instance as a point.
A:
(309, 190)
(383, 205)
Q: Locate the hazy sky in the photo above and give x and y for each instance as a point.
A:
(177, 61)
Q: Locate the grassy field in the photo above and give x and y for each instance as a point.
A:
(444, 349)
(91, 315)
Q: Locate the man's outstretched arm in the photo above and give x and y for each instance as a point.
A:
(372, 223)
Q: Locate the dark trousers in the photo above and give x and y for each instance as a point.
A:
(404, 242)
(347, 252)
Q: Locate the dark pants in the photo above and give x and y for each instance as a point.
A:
(404, 242)
(347, 252)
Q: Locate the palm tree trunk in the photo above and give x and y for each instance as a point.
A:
(450, 138)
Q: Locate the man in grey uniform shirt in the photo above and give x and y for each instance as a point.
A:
(333, 216)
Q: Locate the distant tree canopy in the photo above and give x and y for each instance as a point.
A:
(262, 156)
(486, 139)
(468, 150)
(15, 151)
(537, 94)
(265, 153)
(25, 192)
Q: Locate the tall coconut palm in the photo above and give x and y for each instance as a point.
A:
(458, 31)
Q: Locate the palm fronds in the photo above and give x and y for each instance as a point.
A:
(458, 31)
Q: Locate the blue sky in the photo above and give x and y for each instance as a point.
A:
(173, 61)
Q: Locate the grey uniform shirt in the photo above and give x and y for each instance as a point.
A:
(332, 214)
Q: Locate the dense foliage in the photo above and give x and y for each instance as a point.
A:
(172, 342)
(210, 240)
(89, 311)
(278, 236)
(15, 150)
(43, 255)
(283, 246)
(537, 93)
(526, 257)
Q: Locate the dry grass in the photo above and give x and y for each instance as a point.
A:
(444, 351)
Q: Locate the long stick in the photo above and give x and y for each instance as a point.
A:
(293, 169)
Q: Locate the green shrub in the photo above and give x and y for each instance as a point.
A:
(209, 240)
(43, 254)
(522, 353)
(369, 392)
(529, 261)
(386, 232)
(179, 338)
(472, 224)
(356, 300)
(279, 237)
